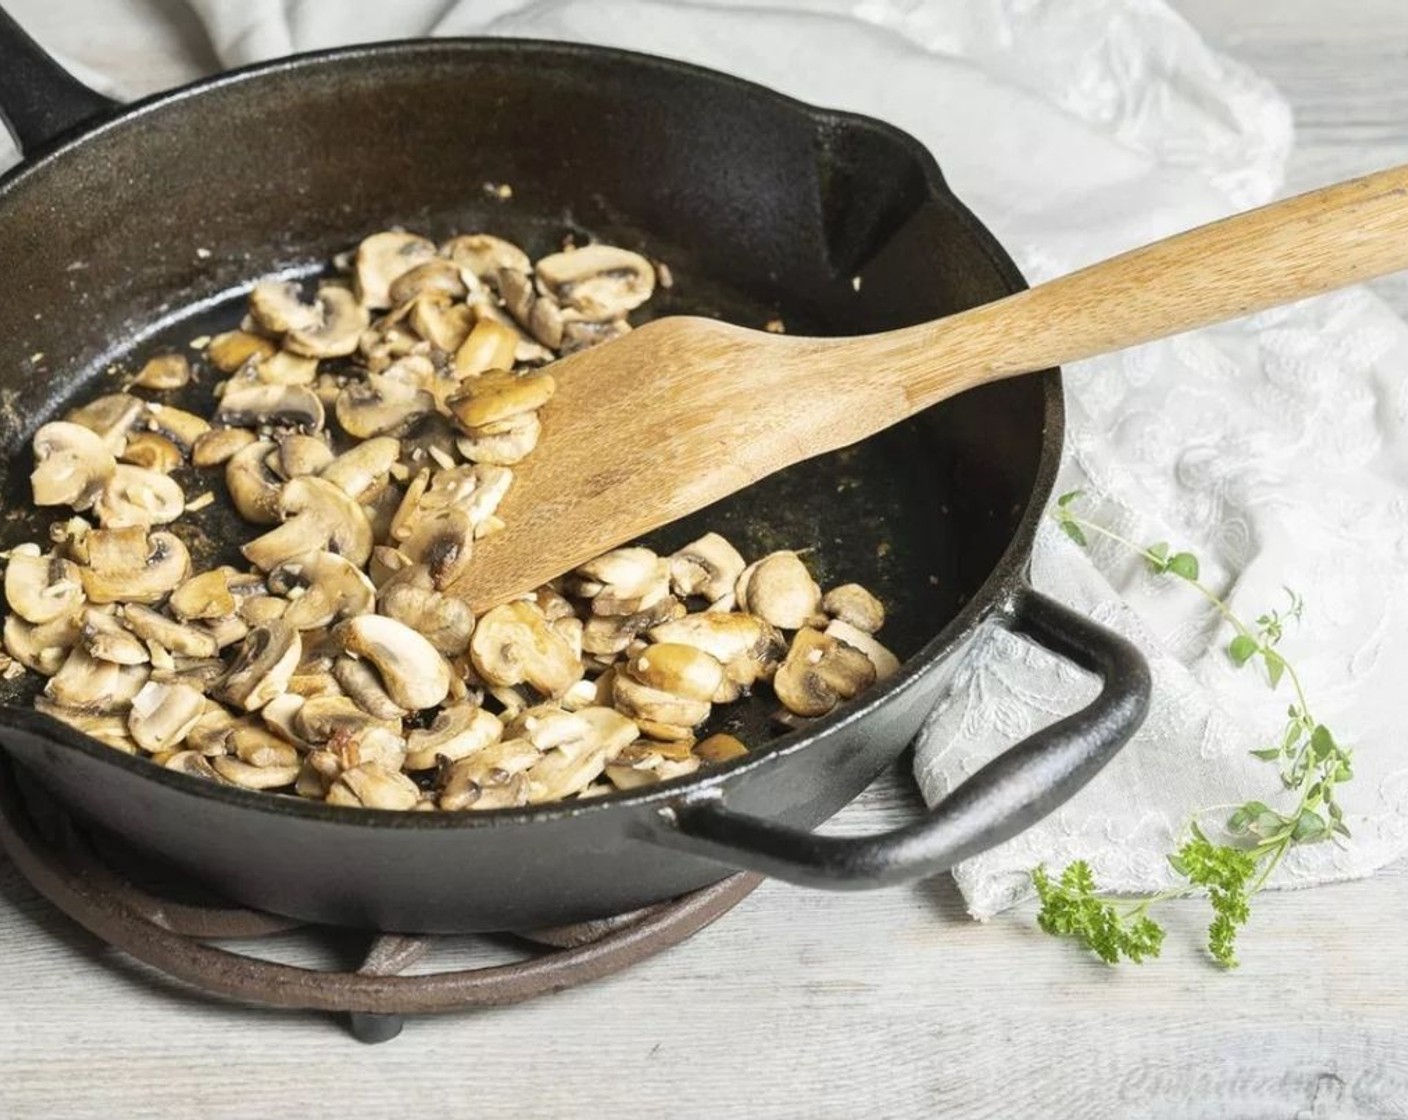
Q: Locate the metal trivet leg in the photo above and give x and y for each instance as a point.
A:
(169, 936)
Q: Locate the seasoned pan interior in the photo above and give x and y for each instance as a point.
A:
(147, 233)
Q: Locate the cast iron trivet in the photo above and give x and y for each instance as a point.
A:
(59, 859)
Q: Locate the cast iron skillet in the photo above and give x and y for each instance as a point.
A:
(762, 206)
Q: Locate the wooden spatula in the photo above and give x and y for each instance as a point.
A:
(684, 411)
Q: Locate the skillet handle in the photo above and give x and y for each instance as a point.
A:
(1009, 794)
(39, 99)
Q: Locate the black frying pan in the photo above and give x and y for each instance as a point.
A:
(761, 206)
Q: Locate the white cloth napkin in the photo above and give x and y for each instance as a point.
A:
(1274, 448)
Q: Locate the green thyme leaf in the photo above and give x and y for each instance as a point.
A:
(1068, 497)
(1072, 530)
(1184, 564)
(1242, 649)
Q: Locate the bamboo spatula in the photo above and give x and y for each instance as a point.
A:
(684, 411)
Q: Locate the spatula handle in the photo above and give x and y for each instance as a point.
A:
(1289, 250)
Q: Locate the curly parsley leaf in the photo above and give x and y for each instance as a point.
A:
(1069, 908)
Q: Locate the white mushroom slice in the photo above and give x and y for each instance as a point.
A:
(596, 281)
(381, 405)
(323, 719)
(505, 443)
(179, 426)
(457, 732)
(112, 417)
(819, 673)
(854, 605)
(254, 487)
(410, 598)
(560, 774)
(628, 570)
(489, 345)
(90, 685)
(370, 786)
(641, 702)
(228, 631)
(682, 670)
(258, 746)
(414, 673)
(779, 589)
(177, 637)
(106, 639)
(206, 596)
(498, 395)
(241, 773)
(219, 445)
(111, 731)
(319, 516)
(363, 468)
(360, 681)
(527, 351)
(513, 644)
(341, 321)
(231, 350)
(164, 371)
(153, 452)
(254, 405)
(384, 258)
(709, 567)
(163, 714)
(280, 714)
(283, 368)
(385, 563)
(278, 307)
(443, 324)
(323, 589)
(137, 496)
(886, 663)
(300, 454)
(482, 255)
(193, 765)
(491, 778)
(584, 335)
(41, 588)
(72, 464)
(43, 648)
(437, 276)
(263, 666)
(132, 566)
(441, 542)
(749, 648)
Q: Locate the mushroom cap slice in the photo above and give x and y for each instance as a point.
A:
(819, 672)
(779, 589)
(409, 596)
(361, 682)
(491, 778)
(597, 281)
(370, 786)
(162, 715)
(263, 666)
(497, 395)
(513, 644)
(381, 406)
(341, 321)
(489, 345)
(322, 719)
(641, 702)
(229, 351)
(329, 589)
(384, 258)
(219, 445)
(153, 451)
(43, 648)
(179, 426)
(508, 443)
(682, 670)
(138, 496)
(886, 663)
(442, 542)
(206, 596)
(279, 307)
(164, 371)
(364, 467)
(176, 637)
(709, 567)
(482, 255)
(90, 685)
(253, 405)
(853, 604)
(42, 588)
(254, 487)
(300, 454)
(105, 637)
(319, 516)
(749, 647)
(112, 417)
(72, 464)
(132, 566)
(436, 276)
(458, 732)
(415, 675)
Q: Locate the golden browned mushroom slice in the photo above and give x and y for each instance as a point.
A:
(323, 588)
(229, 351)
(819, 673)
(72, 464)
(597, 281)
(105, 637)
(179, 426)
(437, 276)
(90, 685)
(623, 581)
(482, 255)
(137, 496)
(132, 566)
(381, 405)
(708, 567)
(492, 778)
(886, 663)
(176, 637)
(278, 307)
(41, 588)
(322, 719)
(853, 604)
(458, 732)
(206, 596)
(283, 368)
(443, 324)
(219, 445)
(112, 417)
(682, 670)
(318, 516)
(193, 765)
(370, 786)
(363, 685)
(263, 666)
(409, 596)
(110, 730)
(719, 748)
(414, 673)
(164, 371)
(489, 345)
(504, 442)
(253, 405)
(163, 714)
(607, 635)
(749, 648)
(341, 321)
(364, 468)
(384, 258)
(648, 705)
(498, 395)
(241, 773)
(514, 644)
(42, 648)
(299, 454)
(153, 452)
(779, 589)
(253, 486)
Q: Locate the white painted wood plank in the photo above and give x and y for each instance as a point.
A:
(887, 1004)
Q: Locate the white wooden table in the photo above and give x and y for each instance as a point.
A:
(888, 1004)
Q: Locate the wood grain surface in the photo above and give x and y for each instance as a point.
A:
(888, 1004)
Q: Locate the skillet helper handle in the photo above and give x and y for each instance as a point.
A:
(39, 99)
(1009, 794)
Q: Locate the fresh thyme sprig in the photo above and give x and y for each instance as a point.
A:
(1310, 762)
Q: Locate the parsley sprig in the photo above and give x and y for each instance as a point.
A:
(1310, 762)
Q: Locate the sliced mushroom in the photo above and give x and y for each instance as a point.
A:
(137, 496)
(105, 637)
(279, 307)
(441, 542)
(364, 468)
(326, 719)
(363, 686)
(254, 487)
(323, 589)
(219, 445)
(436, 276)
(749, 648)
(263, 666)
(489, 345)
(41, 588)
(886, 663)
(207, 596)
(597, 281)
(641, 702)
(179, 426)
(498, 395)
(370, 786)
(607, 635)
(513, 644)
(241, 773)
(384, 258)
(111, 730)
(679, 669)
(72, 464)
(283, 368)
(854, 605)
(229, 351)
(819, 673)
(709, 567)
(443, 324)
(410, 598)
(132, 566)
(177, 637)
(112, 417)
(504, 443)
(414, 673)
(779, 589)
(482, 255)
(381, 406)
(254, 405)
(43, 648)
(584, 335)
(341, 321)
(540, 315)
(458, 732)
(193, 765)
(153, 452)
(492, 778)
(162, 715)
(300, 454)
(319, 516)
(164, 371)
(90, 685)
(719, 748)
